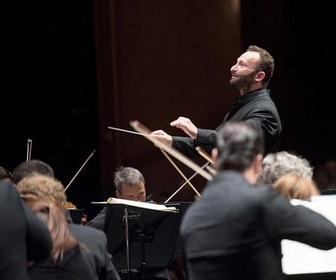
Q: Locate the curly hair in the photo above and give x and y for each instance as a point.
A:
(42, 186)
(275, 165)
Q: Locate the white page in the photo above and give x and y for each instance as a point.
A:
(299, 258)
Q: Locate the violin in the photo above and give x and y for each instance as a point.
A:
(70, 205)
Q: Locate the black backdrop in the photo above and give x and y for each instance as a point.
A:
(48, 89)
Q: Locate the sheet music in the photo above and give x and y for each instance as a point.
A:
(145, 205)
(299, 258)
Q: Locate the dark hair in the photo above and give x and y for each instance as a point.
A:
(266, 63)
(238, 143)
(32, 166)
(5, 174)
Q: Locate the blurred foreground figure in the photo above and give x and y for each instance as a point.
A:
(24, 238)
(37, 186)
(67, 260)
(234, 230)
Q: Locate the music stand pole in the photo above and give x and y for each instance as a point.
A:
(128, 256)
(143, 256)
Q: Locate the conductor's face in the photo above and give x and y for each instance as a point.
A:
(243, 73)
(132, 192)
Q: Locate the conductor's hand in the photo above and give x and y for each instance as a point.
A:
(186, 125)
(163, 137)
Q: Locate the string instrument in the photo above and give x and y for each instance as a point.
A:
(70, 205)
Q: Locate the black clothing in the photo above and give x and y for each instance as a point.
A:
(234, 231)
(73, 266)
(99, 220)
(99, 258)
(256, 107)
(23, 235)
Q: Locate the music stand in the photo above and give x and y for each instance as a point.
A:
(140, 238)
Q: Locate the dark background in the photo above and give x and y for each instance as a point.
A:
(52, 88)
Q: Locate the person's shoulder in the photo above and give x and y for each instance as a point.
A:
(6, 186)
(77, 229)
(266, 189)
(271, 197)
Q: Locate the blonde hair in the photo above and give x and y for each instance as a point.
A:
(53, 216)
(295, 186)
(42, 186)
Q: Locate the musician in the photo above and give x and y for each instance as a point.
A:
(30, 167)
(295, 186)
(235, 228)
(45, 187)
(129, 184)
(23, 235)
(67, 260)
(274, 165)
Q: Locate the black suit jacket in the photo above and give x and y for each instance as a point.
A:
(22, 235)
(234, 231)
(74, 265)
(256, 107)
(98, 257)
(99, 220)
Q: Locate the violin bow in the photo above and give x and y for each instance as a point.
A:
(143, 131)
(137, 126)
(186, 182)
(79, 170)
(146, 133)
(204, 154)
(29, 149)
(207, 157)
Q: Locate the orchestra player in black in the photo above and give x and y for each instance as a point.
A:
(24, 238)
